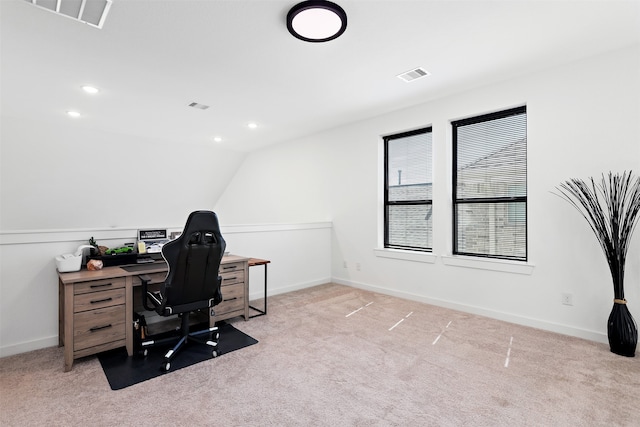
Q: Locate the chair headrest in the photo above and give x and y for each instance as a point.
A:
(201, 220)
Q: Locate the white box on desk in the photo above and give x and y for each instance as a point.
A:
(68, 262)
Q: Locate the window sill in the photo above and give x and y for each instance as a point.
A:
(458, 261)
(416, 256)
(489, 264)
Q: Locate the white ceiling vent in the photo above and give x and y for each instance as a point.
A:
(91, 12)
(414, 74)
(198, 106)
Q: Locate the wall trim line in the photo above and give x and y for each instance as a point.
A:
(18, 237)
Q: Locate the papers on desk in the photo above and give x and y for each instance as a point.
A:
(155, 246)
(151, 241)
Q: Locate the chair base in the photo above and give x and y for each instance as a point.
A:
(207, 337)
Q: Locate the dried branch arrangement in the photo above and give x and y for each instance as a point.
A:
(612, 208)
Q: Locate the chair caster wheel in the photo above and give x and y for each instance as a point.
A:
(165, 367)
(214, 354)
(212, 343)
(145, 352)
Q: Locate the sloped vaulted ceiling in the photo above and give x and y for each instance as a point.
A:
(152, 58)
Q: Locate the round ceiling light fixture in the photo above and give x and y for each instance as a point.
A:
(316, 21)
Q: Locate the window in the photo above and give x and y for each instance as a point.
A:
(490, 185)
(408, 193)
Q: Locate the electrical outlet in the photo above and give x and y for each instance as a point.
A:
(567, 299)
(344, 264)
(358, 266)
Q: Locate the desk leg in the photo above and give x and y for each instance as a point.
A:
(262, 312)
(128, 304)
(60, 314)
(68, 327)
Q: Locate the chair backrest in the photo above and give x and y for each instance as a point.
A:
(194, 260)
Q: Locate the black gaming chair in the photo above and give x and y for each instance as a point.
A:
(192, 282)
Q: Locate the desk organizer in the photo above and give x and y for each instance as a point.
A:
(71, 262)
(68, 262)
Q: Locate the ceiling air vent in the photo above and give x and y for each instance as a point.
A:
(414, 74)
(90, 12)
(198, 106)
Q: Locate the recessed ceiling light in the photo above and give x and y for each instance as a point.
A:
(73, 114)
(90, 89)
(217, 139)
(252, 125)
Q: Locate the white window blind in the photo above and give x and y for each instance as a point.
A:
(490, 185)
(408, 190)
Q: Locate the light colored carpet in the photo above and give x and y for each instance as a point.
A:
(333, 355)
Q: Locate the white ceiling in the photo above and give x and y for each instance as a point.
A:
(153, 57)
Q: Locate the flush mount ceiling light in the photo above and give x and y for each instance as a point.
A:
(73, 114)
(316, 21)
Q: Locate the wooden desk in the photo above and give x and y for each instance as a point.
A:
(96, 307)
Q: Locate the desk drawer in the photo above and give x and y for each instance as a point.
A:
(232, 277)
(232, 266)
(95, 300)
(95, 327)
(98, 285)
(232, 299)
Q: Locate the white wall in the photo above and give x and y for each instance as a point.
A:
(583, 120)
(280, 184)
(300, 255)
(63, 175)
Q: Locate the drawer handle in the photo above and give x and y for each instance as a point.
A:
(231, 299)
(99, 328)
(233, 267)
(101, 286)
(101, 300)
(231, 278)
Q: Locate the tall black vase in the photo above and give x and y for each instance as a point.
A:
(622, 330)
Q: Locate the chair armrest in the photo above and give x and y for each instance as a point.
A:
(145, 279)
(217, 298)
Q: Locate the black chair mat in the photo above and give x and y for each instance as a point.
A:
(123, 371)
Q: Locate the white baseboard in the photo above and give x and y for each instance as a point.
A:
(283, 290)
(24, 347)
(507, 317)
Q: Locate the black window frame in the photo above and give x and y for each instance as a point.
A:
(512, 199)
(416, 202)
